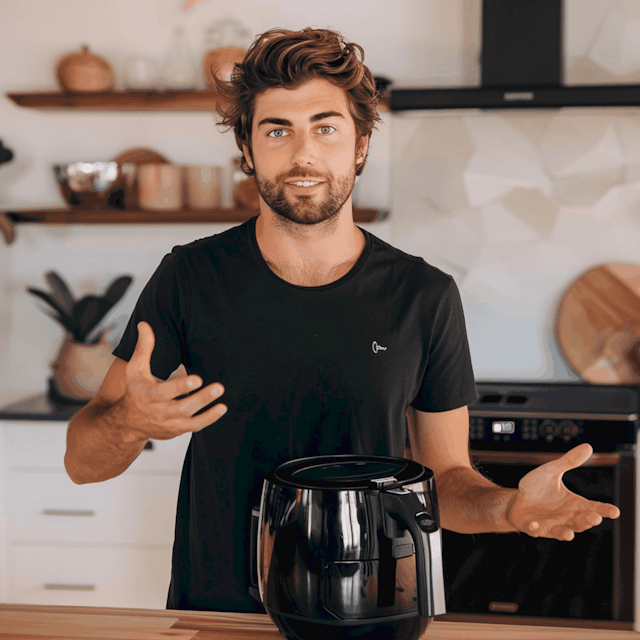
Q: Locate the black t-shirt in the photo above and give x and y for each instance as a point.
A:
(306, 370)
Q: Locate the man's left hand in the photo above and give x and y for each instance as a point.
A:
(544, 508)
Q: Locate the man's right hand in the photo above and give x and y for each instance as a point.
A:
(150, 406)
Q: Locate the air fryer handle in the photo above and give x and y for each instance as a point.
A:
(253, 554)
(423, 527)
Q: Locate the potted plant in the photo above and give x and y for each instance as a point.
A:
(83, 361)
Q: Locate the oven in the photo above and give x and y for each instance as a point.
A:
(587, 582)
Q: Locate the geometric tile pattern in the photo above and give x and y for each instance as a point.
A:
(584, 155)
(503, 159)
(617, 46)
(541, 198)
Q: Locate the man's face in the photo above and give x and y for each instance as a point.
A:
(304, 134)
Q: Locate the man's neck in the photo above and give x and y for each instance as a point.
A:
(309, 255)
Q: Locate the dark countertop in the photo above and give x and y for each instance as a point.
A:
(40, 407)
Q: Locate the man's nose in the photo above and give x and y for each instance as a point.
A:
(304, 150)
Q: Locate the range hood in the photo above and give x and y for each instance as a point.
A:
(521, 67)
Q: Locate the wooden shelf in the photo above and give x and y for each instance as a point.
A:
(129, 100)
(119, 100)
(118, 216)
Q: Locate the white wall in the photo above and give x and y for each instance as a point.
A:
(455, 180)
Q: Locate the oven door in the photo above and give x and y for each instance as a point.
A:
(513, 574)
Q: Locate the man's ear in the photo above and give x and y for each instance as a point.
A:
(362, 149)
(247, 156)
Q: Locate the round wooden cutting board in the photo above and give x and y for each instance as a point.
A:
(598, 324)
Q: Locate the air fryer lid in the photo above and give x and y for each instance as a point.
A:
(350, 472)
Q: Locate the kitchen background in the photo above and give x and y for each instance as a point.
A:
(514, 204)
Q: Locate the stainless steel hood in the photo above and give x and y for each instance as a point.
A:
(521, 67)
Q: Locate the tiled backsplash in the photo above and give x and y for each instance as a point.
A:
(516, 205)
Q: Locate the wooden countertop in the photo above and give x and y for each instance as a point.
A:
(52, 622)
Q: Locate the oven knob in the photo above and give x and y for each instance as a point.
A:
(569, 429)
(547, 429)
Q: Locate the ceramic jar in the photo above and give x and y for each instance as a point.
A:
(84, 72)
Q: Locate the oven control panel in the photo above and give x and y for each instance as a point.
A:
(554, 416)
(550, 433)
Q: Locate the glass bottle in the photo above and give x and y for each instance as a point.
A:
(180, 67)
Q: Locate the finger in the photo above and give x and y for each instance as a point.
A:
(204, 397)
(535, 529)
(199, 422)
(539, 530)
(173, 388)
(570, 460)
(606, 510)
(140, 361)
(564, 534)
(587, 520)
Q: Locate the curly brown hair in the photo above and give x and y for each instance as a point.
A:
(285, 58)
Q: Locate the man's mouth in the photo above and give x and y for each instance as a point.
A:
(304, 183)
(305, 187)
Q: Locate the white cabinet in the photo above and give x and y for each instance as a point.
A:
(89, 576)
(101, 544)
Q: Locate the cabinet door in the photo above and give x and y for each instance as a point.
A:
(3, 517)
(128, 509)
(89, 577)
(43, 445)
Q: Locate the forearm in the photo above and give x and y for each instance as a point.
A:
(98, 447)
(471, 503)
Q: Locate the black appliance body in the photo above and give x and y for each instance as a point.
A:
(587, 582)
(347, 547)
(520, 66)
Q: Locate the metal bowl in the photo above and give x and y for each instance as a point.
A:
(97, 185)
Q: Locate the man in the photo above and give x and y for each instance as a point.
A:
(324, 338)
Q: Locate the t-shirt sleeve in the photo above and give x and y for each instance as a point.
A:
(160, 305)
(448, 382)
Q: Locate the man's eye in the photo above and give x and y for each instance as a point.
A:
(282, 132)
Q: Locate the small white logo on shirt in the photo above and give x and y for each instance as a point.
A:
(376, 347)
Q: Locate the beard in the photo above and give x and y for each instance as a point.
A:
(322, 205)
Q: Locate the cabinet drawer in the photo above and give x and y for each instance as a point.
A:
(128, 509)
(89, 577)
(43, 444)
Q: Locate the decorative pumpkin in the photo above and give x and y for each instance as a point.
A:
(85, 72)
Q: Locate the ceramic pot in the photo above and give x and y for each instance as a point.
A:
(80, 368)
(84, 72)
